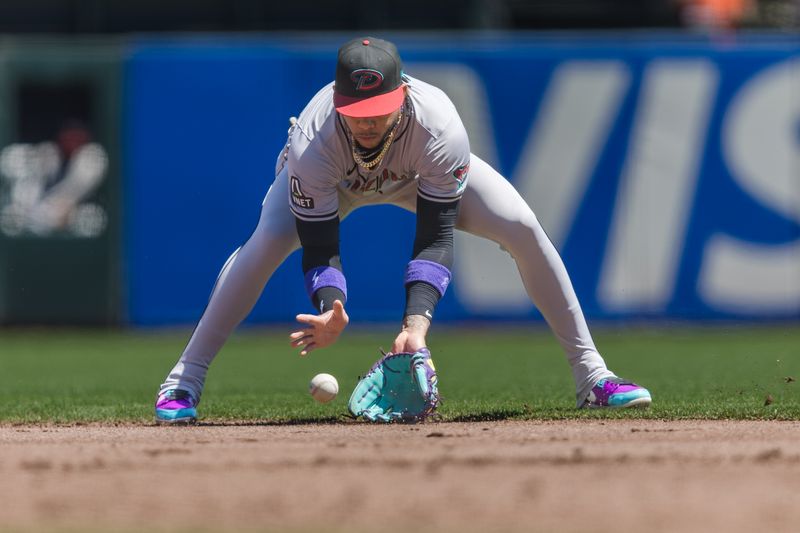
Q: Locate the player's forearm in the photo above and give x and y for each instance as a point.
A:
(433, 239)
(324, 279)
(428, 272)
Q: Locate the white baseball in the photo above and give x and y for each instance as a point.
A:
(323, 387)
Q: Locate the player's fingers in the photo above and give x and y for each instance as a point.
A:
(399, 343)
(301, 341)
(307, 319)
(307, 349)
(339, 314)
(299, 334)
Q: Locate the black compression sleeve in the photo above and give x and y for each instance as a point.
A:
(323, 298)
(433, 242)
(421, 299)
(434, 237)
(320, 242)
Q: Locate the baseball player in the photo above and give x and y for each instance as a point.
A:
(378, 136)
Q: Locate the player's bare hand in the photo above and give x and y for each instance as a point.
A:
(412, 336)
(321, 330)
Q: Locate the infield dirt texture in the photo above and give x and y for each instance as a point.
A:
(565, 476)
(718, 451)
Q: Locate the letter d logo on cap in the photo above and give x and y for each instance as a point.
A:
(366, 79)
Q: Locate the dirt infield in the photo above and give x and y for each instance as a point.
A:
(482, 476)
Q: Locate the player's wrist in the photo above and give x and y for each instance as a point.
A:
(416, 323)
(322, 299)
(421, 299)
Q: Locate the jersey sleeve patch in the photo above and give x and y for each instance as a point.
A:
(444, 168)
(447, 187)
(460, 175)
(303, 205)
(299, 199)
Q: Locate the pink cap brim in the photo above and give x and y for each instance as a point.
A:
(375, 106)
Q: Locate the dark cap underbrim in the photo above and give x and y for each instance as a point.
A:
(374, 106)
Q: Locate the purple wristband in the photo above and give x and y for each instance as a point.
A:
(325, 276)
(429, 272)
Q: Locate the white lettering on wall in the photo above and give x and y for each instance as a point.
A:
(761, 142)
(555, 169)
(486, 277)
(562, 150)
(657, 186)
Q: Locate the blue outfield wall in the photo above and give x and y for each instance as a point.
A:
(666, 169)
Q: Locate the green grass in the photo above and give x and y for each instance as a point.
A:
(486, 372)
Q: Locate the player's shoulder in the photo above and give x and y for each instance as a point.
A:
(433, 109)
(423, 92)
(315, 138)
(318, 117)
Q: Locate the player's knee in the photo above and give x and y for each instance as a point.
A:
(521, 234)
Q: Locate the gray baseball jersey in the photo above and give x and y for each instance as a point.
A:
(430, 151)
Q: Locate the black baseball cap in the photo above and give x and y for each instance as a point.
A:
(369, 78)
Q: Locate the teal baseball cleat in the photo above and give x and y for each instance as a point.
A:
(616, 392)
(176, 406)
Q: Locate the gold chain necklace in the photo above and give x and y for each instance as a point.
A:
(378, 158)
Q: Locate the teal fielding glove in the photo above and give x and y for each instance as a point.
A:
(400, 387)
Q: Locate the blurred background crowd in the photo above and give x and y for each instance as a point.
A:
(100, 16)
